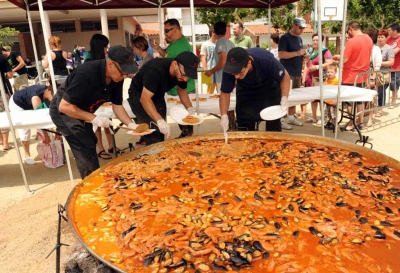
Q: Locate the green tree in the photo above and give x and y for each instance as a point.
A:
(281, 17)
(5, 33)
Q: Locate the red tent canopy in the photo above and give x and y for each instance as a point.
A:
(125, 4)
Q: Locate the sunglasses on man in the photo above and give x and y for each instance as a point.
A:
(168, 29)
(300, 27)
(120, 70)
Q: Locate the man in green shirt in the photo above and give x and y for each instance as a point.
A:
(177, 43)
(240, 40)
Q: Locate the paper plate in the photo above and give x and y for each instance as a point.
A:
(148, 132)
(179, 113)
(272, 112)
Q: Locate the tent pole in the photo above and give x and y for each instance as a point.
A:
(4, 96)
(269, 26)
(320, 63)
(161, 24)
(342, 39)
(44, 18)
(37, 60)
(104, 23)
(198, 89)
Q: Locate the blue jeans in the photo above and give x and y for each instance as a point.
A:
(382, 94)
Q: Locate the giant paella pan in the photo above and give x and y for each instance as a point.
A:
(264, 202)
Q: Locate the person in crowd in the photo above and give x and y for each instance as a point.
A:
(261, 81)
(6, 74)
(58, 57)
(239, 39)
(330, 105)
(291, 55)
(356, 59)
(77, 56)
(207, 59)
(17, 67)
(394, 41)
(70, 61)
(85, 90)
(274, 45)
(177, 43)
(140, 47)
(387, 61)
(29, 99)
(222, 47)
(98, 51)
(313, 69)
(148, 88)
(374, 65)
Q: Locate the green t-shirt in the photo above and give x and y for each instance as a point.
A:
(245, 42)
(172, 51)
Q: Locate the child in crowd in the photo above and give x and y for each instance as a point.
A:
(330, 106)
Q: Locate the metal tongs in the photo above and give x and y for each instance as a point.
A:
(192, 153)
(226, 137)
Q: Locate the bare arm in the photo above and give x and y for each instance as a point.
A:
(9, 75)
(148, 104)
(157, 47)
(184, 97)
(36, 101)
(65, 55)
(224, 101)
(45, 63)
(121, 114)
(396, 50)
(285, 84)
(221, 63)
(20, 65)
(204, 61)
(388, 63)
(74, 111)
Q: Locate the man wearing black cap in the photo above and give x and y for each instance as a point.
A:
(148, 87)
(89, 86)
(261, 82)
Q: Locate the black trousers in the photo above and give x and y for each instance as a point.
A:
(143, 117)
(270, 126)
(80, 137)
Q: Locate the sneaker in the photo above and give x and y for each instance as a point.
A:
(329, 126)
(294, 122)
(285, 125)
(184, 134)
(29, 161)
(141, 142)
(319, 122)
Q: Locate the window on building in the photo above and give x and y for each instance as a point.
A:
(22, 28)
(96, 25)
(60, 27)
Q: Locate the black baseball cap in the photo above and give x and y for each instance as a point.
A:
(124, 57)
(190, 62)
(235, 61)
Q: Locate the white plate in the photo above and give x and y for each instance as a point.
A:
(179, 113)
(272, 113)
(148, 132)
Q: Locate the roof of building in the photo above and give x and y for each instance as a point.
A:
(151, 28)
(263, 29)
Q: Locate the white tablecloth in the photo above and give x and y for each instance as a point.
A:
(29, 119)
(38, 119)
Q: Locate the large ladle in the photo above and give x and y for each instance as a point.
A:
(192, 153)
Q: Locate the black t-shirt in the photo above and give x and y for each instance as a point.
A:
(12, 60)
(291, 43)
(87, 89)
(24, 97)
(4, 68)
(154, 75)
(267, 68)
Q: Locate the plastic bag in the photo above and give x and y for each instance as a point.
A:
(52, 154)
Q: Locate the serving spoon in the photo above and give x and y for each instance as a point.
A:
(192, 153)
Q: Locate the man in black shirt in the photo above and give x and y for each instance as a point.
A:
(18, 67)
(89, 86)
(291, 54)
(148, 87)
